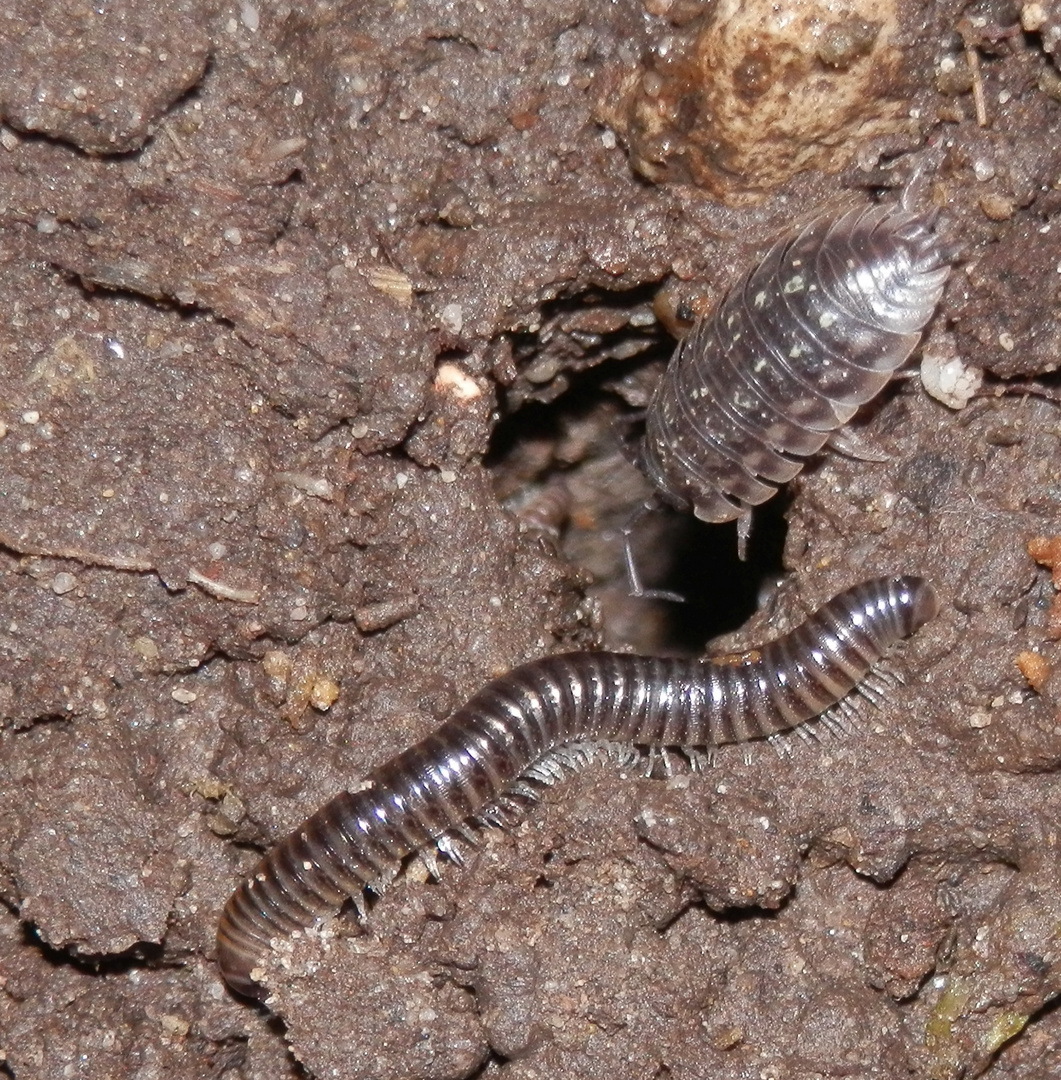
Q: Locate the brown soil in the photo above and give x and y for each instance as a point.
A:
(269, 275)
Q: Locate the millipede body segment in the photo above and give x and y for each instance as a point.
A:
(471, 765)
(796, 346)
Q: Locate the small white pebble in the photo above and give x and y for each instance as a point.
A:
(1032, 17)
(608, 139)
(47, 224)
(312, 485)
(63, 583)
(183, 695)
(248, 15)
(31, 416)
(452, 379)
(946, 378)
(983, 169)
(233, 236)
(452, 318)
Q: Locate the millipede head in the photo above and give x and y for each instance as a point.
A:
(917, 596)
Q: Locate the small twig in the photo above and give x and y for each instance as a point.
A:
(970, 37)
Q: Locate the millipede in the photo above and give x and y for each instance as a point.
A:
(481, 763)
(796, 346)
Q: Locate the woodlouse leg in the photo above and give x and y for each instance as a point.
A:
(915, 191)
(700, 760)
(447, 847)
(780, 743)
(848, 442)
(633, 576)
(651, 759)
(744, 531)
(625, 755)
(430, 863)
(466, 832)
(388, 874)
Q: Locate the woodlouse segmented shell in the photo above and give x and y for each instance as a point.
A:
(796, 346)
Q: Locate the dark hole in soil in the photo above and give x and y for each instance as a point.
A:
(583, 443)
(721, 592)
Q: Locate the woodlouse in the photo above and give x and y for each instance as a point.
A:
(795, 347)
(470, 767)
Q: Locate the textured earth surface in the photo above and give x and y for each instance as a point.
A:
(324, 332)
